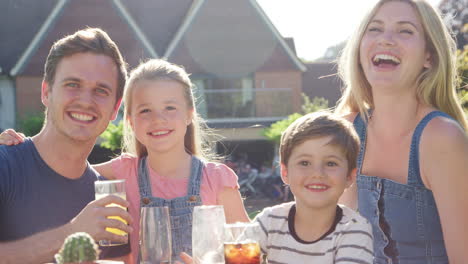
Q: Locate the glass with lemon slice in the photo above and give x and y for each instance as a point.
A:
(117, 188)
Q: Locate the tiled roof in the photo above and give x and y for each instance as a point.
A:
(159, 19)
(231, 39)
(83, 13)
(19, 23)
(213, 35)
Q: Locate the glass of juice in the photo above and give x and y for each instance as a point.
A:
(105, 188)
(241, 243)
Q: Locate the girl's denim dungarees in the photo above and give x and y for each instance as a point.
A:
(404, 217)
(180, 208)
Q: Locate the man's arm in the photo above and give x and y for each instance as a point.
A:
(41, 247)
(38, 248)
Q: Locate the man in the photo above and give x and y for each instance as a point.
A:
(46, 183)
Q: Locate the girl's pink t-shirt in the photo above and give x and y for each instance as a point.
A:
(215, 178)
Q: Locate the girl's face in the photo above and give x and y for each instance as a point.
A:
(393, 49)
(160, 115)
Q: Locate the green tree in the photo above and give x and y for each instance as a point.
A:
(273, 132)
(457, 19)
(317, 104)
(112, 137)
(31, 124)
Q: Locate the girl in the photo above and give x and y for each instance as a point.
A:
(164, 157)
(164, 161)
(400, 76)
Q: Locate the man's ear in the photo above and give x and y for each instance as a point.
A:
(45, 92)
(284, 173)
(116, 109)
(351, 178)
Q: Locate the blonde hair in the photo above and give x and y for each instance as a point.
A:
(318, 125)
(436, 85)
(152, 70)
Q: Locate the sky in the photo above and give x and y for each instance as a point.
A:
(316, 25)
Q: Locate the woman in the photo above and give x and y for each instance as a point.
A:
(400, 77)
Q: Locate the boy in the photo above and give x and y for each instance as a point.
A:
(318, 161)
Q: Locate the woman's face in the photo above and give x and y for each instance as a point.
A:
(393, 49)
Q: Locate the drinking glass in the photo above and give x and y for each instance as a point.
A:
(241, 243)
(105, 188)
(207, 234)
(155, 235)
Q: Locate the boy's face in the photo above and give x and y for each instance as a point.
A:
(317, 173)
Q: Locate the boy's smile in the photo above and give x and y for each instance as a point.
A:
(317, 187)
(317, 173)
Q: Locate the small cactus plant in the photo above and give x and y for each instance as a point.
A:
(78, 248)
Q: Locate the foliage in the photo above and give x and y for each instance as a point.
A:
(273, 133)
(456, 18)
(112, 136)
(317, 104)
(31, 124)
(253, 214)
(77, 248)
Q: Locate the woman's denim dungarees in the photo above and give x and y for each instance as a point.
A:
(180, 208)
(404, 217)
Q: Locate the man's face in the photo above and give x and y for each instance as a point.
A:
(82, 100)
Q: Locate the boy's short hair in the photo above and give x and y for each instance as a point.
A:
(317, 125)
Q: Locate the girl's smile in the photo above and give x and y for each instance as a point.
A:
(160, 115)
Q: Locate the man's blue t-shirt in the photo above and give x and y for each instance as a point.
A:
(34, 198)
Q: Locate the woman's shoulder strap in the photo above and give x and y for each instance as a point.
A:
(414, 177)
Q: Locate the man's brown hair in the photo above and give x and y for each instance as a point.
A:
(317, 125)
(92, 40)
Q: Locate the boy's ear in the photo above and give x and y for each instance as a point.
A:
(284, 173)
(351, 178)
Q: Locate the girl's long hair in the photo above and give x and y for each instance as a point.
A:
(195, 141)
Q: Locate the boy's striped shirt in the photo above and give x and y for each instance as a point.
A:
(349, 240)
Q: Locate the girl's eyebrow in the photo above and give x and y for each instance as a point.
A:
(403, 22)
(171, 101)
(142, 105)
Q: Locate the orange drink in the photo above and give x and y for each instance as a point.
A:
(242, 253)
(105, 188)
